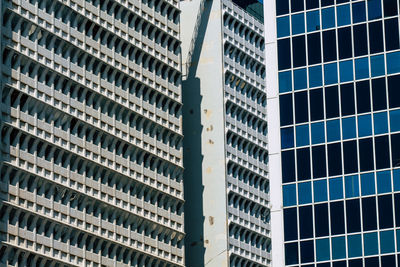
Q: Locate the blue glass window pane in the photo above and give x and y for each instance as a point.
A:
(300, 79)
(315, 74)
(359, 14)
(302, 135)
(304, 193)
(287, 138)
(374, 9)
(398, 239)
(370, 244)
(354, 246)
(393, 62)
(395, 120)
(367, 184)
(285, 81)
(283, 26)
(330, 71)
(313, 21)
(343, 15)
(320, 191)
(352, 188)
(289, 195)
(333, 130)
(298, 23)
(377, 65)
(349, 127)
(387, 241)
(364, 125)
(396, 179)
(317, 133)
(323, 249)
(328, 18)
(380, 123)
(346, 70)
(362, 68)
(335, 188)
(338, 247)
(384, 182)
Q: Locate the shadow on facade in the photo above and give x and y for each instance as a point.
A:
(193, 155)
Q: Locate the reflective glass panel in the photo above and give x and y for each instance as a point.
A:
(377, 65)
(328, 18)
(384, 180)
(354, 245)
(298, 23)
(335, 188)
(283, 25)
(304, 193)
(338, 247)
(352, 188)
(313, 23)
(285, 81)
(315, 76)
(367, 184)
(317, 133)
(346, 71)
(333, 130)
(320, 191)
(370, 244)
(287, 137)
(323, 249)
(362, 68)
(300, 79)
(302, 135)
(330, 71)
(343, 15)
(349, 127)
(364, 125)
(387, 241)
(289, 195)
(395, 120)
(380, 123)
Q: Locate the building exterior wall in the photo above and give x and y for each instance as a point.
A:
(339, 138)
(228, 72)
(91, 134)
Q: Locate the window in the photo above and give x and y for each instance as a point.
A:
(384, 181)
(354, 246)
(389, 8)
(344, 42)
(364, 125)
(393, 62)
(349, 128)
(315, 76)
(313, 21)
(303, 164)
(285, 81)
(290, 223)
(360, 40)
(320, 191)
(307, 251)
(317, 133)
(316, 104)
(338, 247)
(314, 48)
(377, 65)
(283, 26)
(301, 107)
(312, 4)
(334, 159)
(397, 214)
(326, 2)
(286, 109)
(388, 261)
(333, 130)
(331, 74)
(298, 23)
(374, 9)
(380, 123)
(362, 68)
(371, 262)
(395, 120)
(284, 61)
(302, 135)
(385, 211)
(363, 97)
(369, 213)
(328, 18)
(300, 79)
(391, 34)
(323, 249)
(371, 244)
(337, 217)
(347, 99)
(387, 241)
(291, 249)
(289, 195)
(335, 188)
(367, 184)
(379, 94)
(329, 40)
(306, 222)
(346, 70)
(350, 157)
(319, 161)
(296, 5)
(299, 51)
(332, 102)
(394, 93)
(366, 154)
(343, 15)
(396, 180)
(375, 37)
(352, 188)
(288, 166)
(353, 215)
(395, 150)
(282, 7)
(287, 137)
(321, 220)
(359, 14)
(382, 152)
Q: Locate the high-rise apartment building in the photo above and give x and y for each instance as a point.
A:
(225, 127)
(334, 132)
(91, 133)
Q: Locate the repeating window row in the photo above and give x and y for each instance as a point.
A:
(238, 261)
(247, 147)
(247, 176)
(249, 207)
(246, 117)
(242, 234)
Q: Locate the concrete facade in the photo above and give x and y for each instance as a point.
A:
(91, 133)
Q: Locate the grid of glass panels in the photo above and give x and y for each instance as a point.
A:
(339, 83)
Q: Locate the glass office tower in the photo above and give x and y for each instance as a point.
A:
(338, 99)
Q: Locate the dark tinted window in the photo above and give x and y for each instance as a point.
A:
(303, 164)
(375, 37)
(326, 2)
(282, 7)
(347, 99)
(301, 106)
(389, 8)
(288, 166)
(397, 209)
(388, 261)
(284, 61)
(291, 252)
(344, 40)
(363, 97)
(316, 104)
(307, 251)
(379, 94)
(334, 159)
(339, 264)
(391, 34)
(385, 211)
(366, 154)
(353, 215)
(369, 213)
(395, 150)
(319, 161)
(299, 51)
(356, 263)
(337, 218)
(329, 39)
(306, 222)
(332, 102)
(360, 40)
(382, 152)
(290, 223)
(321, 220)
(314, 48)
(286, 109)
(310, 4)
(297, 5)
(372, 262)
(350, 157)
(394, 92)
